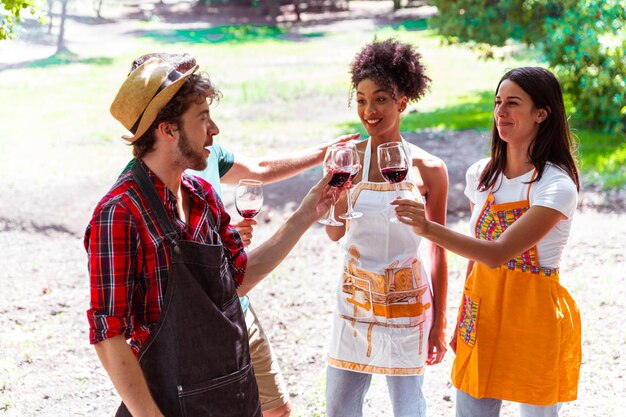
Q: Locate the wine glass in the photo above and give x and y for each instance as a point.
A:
(393, 165)
(338, 160)
(356, 166)
(249, 198)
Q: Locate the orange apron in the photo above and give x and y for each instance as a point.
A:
(519, 335)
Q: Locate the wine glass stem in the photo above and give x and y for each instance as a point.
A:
(331, 213)
(349, 197)
(397, 187)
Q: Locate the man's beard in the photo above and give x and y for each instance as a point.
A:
(190, 157)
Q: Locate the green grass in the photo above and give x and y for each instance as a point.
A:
(230, 34)
(602, 158)
(282, 90)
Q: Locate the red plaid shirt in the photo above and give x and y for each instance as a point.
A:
(129, 260)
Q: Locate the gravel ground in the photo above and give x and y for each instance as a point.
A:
(47, 367)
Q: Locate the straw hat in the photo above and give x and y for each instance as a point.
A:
(183, 62)
(145, 92)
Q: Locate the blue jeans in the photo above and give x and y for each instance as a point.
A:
(468, 406)
(345, 392)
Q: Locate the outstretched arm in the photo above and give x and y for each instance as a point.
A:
(517, 238)
(263, 259)
(282, 166)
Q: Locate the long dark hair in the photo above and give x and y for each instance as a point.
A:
(554, 141)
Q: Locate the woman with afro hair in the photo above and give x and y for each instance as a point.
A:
(391, 303)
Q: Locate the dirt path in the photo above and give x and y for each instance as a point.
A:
(48, 369)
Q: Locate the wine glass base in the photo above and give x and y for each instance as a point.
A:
(330, 222)
(353, 215)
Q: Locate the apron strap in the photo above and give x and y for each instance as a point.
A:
(365, 170)
(149, 191)
(368, 153)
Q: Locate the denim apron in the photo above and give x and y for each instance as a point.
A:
(196, 360)
(519, 331)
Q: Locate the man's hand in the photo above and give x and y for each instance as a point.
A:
(342, 139)
(123, 368)
(245, 229)
(319, 199)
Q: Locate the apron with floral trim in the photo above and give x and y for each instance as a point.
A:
(519, 332)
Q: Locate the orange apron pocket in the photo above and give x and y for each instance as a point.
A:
(468, 318)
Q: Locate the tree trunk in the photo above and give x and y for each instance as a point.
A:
(296, 7)
(99, 9)
(61, 39)
(273, 8)
(50, 5)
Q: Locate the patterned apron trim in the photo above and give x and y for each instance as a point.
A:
(370, 369)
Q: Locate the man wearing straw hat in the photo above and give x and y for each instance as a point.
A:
(165, 266)
(224, 166)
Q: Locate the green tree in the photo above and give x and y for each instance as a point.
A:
(11, 15)
(583, 42)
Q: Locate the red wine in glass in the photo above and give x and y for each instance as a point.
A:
(339, 161)
(394, 165)
(339, 178)
(394, 174)
(249, 198)
(248, 214)
(354, 170)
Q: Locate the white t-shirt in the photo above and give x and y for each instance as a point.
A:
(555, 190)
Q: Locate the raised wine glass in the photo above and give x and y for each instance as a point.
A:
(393, 165)
(339, 161)
(356, 166)
(249, 198)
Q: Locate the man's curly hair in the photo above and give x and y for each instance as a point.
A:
(196, 88)
(391, 63)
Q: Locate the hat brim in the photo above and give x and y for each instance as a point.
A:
(157, 104)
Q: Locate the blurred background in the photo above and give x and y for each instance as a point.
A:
(282, 67)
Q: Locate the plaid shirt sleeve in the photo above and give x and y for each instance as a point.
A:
(111, 241)
(237, 257)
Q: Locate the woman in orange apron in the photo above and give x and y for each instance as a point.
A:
(517, 336)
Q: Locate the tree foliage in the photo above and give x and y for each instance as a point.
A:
(584, 41)
(10, 15)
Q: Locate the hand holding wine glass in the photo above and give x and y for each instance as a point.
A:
(356, 167)
(393, 165)
(339, 160)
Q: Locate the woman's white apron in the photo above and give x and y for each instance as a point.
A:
(384, 302)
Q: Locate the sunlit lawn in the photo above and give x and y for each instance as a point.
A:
(281, 90)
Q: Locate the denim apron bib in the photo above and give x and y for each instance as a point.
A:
(196, 360)
(519, 331)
